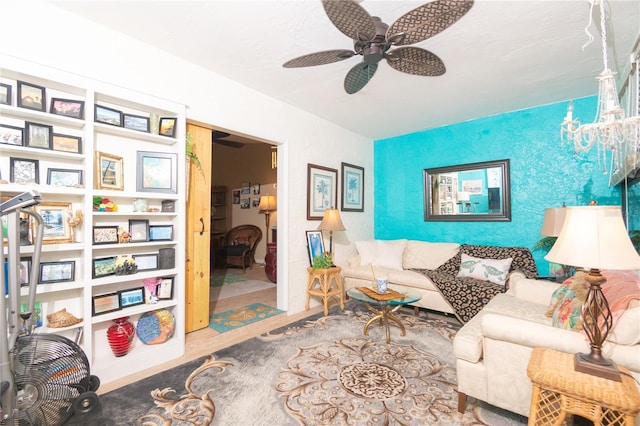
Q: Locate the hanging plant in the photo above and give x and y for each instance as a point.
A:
(191, 155)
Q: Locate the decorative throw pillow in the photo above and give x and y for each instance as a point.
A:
(494, 270)
(566, 303)
(389, 254)
(367, 251)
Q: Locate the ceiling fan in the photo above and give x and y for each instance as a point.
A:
(217, 136)
(373, 39)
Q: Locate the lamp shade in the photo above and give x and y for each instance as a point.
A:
(267, 203)
(552, 222)
(331, 221)
(594, 237)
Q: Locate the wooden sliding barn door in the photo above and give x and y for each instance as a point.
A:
(198, 232)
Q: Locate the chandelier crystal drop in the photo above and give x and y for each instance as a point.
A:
(611, 132)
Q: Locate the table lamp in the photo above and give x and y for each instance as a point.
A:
(331, 221)
(266, 206)
(553, 221)
(595, 237)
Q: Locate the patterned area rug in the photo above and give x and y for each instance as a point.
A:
(226, 277)
(320, 371)
(230, 320)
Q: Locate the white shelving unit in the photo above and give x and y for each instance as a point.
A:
(76, 296)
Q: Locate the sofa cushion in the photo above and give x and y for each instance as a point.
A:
(627, 330)
(427, 255)
(536, 291)
(494, 270)
(389, 254)
(522, 258)
(366, 251)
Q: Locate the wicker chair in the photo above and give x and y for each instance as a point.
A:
(239, 247)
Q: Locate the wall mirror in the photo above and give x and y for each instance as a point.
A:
(468, 192)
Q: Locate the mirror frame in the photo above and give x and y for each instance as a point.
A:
(504, 216)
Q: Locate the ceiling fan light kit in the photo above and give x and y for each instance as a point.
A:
(373, 39)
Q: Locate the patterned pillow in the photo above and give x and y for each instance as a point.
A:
(494, 270)
(522, 258)
(566, 303)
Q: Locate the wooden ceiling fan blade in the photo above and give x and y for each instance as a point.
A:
(428, 20)
(416, 61)
(350, 18)
(358, 77)
(319, 58)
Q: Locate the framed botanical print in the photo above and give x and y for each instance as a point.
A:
(322, 191)
(352, 188)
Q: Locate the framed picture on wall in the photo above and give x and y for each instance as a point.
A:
(32, 96)
(322, 190)
(352, 188)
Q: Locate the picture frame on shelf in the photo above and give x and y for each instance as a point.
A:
(105, 303)
(168, 206)
(164, 289)
(57, 272)
(67, 107)
(168, 126)
(103, 267)
(24, 170)
(25, 270)
(156, 172)
(11, 135)
(32, 96)
(146, 262)
(5, 94)
(315, 245)
(131, 297)
(105, 235)
(139, 230)
(108, 171)
(108, 115)
(38, 135)
(352, 188)
(136, 122)
(67, 143)
(64, 177)
(322, 190)
(56, 226)
(161, 233)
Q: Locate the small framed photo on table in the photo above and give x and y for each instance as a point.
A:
(146, 262)
(315, 245)
(160, 232)
(56, 272)
(132, 297)
(139, 230)
(38, 135)
(31, 96)
(67, 107)
(104, 267)
(164, 290)
(105, 303)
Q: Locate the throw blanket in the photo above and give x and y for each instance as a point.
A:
(467, 296)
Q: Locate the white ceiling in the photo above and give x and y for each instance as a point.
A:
(501, 56)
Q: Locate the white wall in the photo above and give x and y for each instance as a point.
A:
(44, 34)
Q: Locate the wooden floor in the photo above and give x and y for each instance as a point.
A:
(205, 341)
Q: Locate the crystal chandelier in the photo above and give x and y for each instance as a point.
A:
(610, 131)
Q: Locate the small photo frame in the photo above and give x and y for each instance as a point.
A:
(164, 290)
(315, 245)
(108, 171)
(5, 94)
(136, 122)
(67, 143)
(64, 177)
(104, 267)
(168, 206)
(107, 115)
(105, 303)
(32, 96)
(139, 230)
(24, 170)
(11, 135)
(146, 262)
(105, 235)
(56, 226)
(160, 232)
(132, 297)
(25, 270)
(57, 272)
(168, 126)
(352, 188)
(38, 135)
(67, 107)
(156, 172)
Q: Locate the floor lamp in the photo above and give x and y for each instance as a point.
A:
(266, 206)
(595, 237)
(331, 221)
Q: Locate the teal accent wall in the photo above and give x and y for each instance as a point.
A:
(544, 173)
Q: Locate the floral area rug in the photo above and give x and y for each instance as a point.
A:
(234, 318)
(320, 371)
(225, 276)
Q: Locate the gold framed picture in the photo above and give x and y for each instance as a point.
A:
(56, 226)
(108, 171)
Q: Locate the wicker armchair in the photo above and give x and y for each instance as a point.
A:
(239, 247)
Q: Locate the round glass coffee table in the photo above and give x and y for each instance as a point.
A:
(383, 306)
